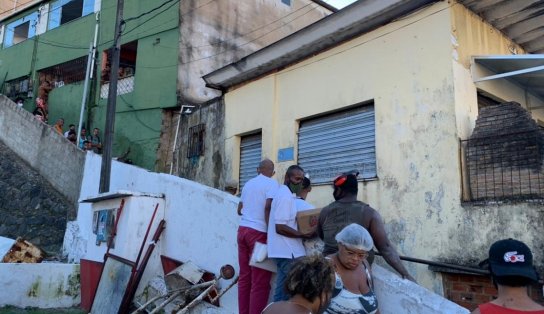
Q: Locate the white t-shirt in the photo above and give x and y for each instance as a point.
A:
(302, 205)
(284, 212)
(253, 198)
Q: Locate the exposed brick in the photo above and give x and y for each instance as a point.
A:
(476, 288)
(460, 286)
(490, 291)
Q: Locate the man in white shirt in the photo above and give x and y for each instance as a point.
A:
(284, 239)
(254, 283)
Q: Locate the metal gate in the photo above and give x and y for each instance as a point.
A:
(330, 145)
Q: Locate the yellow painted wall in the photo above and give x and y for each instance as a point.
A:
(472, 36)
(410, 83)
(424, 101)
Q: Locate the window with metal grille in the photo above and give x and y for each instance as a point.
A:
(196, 141)
(18, 87)
(64, 11)
(127, 69)
(69, 72)
(338, 142)
(250, 157)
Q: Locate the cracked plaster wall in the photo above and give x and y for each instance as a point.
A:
(424, 101)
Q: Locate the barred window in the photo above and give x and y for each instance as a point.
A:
(127, 69)
(196, 141)
(69, 72)
(18, 87)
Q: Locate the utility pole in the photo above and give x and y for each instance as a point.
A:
(105, 170)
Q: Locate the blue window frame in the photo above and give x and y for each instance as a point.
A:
(20, 30)
(64, 11)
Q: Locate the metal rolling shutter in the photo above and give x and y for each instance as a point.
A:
(330, 145)
(250, 157)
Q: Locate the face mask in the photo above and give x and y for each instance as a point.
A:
(337, 194)
(295, 188)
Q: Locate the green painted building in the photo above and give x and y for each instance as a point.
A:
(44, 51)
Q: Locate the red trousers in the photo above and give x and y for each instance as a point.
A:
(253, 283)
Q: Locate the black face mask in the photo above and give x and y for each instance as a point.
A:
(337, 194)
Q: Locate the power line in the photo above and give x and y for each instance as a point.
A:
(367, 41)
(244, 44)
(227, 50)
(148, 12)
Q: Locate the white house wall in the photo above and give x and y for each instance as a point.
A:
(201, 222)
(416, 72)
(410, 82)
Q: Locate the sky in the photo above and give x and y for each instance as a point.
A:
(339, 3)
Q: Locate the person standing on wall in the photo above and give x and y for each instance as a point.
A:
(71, 127)
(511, 267)
(254, 283)
(284, 239)
(96, 142)
(83, 138)
(58, 126)
(346, 209)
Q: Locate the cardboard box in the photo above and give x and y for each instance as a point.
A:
(307, 220)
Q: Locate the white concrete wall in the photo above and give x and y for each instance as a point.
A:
(396, 296)
(201, 223)
(44, 285)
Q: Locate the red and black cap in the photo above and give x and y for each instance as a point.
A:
(349, 177)
(511, 257)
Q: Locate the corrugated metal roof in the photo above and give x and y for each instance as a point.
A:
(520, 20)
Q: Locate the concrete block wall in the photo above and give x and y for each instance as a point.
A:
(54, 157)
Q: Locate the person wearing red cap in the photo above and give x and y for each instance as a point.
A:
(511, 266)
(347, 210)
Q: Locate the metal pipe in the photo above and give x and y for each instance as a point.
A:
(97, 17)
(176, 140)
(84, 97)
(445, 265)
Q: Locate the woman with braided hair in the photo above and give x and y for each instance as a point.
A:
(309, 284)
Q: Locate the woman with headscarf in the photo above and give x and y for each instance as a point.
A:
(353, 291)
